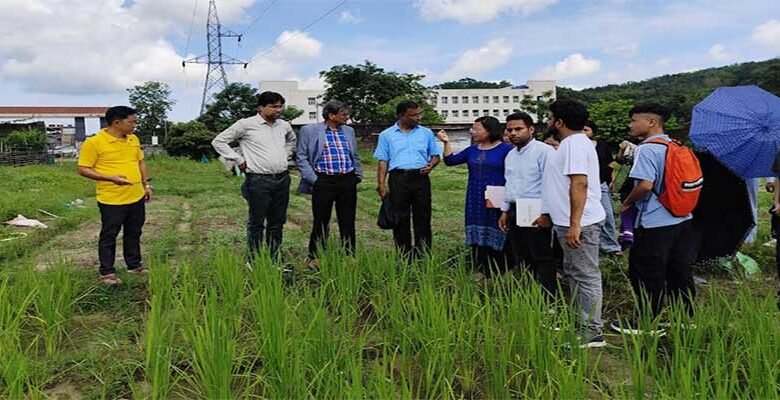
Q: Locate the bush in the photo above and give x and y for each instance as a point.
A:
(189, 139)
(29, 139)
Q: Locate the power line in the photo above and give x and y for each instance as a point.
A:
(305, 28)
(258, 18)
(192, 21)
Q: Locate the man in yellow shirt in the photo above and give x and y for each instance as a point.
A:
(113, 158)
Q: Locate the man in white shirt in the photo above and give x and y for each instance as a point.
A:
(266, 142)
(571, 203)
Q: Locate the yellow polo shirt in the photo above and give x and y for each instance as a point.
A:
(109, 155)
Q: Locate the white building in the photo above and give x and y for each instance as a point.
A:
(310, 101)
(466, 105)
(456, 106)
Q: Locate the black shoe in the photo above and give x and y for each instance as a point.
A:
(630, 327)
(594, 342)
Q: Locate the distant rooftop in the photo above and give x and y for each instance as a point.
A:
(51, 111)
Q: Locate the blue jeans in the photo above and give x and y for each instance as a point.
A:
(607, 241)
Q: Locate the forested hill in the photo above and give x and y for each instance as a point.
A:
(682, 91)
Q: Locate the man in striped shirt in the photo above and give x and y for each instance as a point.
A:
(328, 159)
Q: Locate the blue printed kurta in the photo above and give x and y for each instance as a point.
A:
(486, 167)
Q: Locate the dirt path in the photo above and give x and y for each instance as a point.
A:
(78, 247)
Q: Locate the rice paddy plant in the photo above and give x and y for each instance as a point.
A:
(230, 279)
(54, 303)
(159, 336)
(210, 335)
(431, 324)
(274, 327)
(15, 368)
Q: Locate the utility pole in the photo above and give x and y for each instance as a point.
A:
(216, 80)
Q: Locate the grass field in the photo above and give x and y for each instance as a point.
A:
(204, 326)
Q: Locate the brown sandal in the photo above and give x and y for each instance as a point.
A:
(110, 279)
(140, 271)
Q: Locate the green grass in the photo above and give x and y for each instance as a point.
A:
(203, 325)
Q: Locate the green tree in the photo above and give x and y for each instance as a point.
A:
(189, 139)
(152, 101)
(612, 118)
(236, 101)
(470, 83)
(387, 115)
(290, 113)
(365, 87)
(537, 107)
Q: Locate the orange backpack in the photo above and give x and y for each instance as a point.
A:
(683, 178)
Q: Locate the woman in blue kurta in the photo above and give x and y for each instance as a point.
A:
(485, 160)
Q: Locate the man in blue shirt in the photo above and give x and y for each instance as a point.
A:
(408, 152)
(660, 261)
(523, 170)
(328, 159)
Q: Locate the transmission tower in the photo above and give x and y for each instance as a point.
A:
(216, 80)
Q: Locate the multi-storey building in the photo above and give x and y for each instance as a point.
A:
(466, 105)
(456, 106)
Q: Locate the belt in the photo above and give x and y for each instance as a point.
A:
(335, 175)
(406, 171)
(275, 176)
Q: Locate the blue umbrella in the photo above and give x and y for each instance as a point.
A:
(740, 126)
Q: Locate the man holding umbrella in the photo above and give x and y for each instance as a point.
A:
(661, 257)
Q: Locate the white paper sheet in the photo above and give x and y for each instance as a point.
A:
(494, 196)
(528, 210)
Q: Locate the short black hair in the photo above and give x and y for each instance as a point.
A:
(118, 113)
(405, 105)
(333, 107)
(520, 116)
(650, 108)
(493, 127)
(266, 98)
(592, 125)
(571, 112)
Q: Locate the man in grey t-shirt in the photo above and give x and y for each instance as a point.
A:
(266, 142)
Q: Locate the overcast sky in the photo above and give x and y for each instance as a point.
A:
(87, 52)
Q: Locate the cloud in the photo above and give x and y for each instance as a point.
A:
(719, 52)
(104, 48)
(278, 62)
(477, 11)
(347, 17)
(623, 50)
(574, 65)
(768, 35)
(494, 53)
(663, 62)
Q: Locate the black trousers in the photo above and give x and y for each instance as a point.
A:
(533, 248)
(410, 195)
(129, 218)
(330, 190)
(267, 197)
(488, 260)
(659, 266)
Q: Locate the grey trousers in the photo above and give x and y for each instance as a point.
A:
(581, 266)
(609, 243)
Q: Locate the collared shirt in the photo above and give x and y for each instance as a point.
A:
(406, 150)
(109, 155)
(649, 164)
(266, 147)
(336, 157)
(575, 156)
(523, 170)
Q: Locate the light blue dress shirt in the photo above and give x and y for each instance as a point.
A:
(649, 163)
(406, 150)
(523, 170)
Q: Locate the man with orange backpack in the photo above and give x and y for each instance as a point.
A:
(668, 183)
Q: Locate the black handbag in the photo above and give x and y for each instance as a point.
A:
(387, 218)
